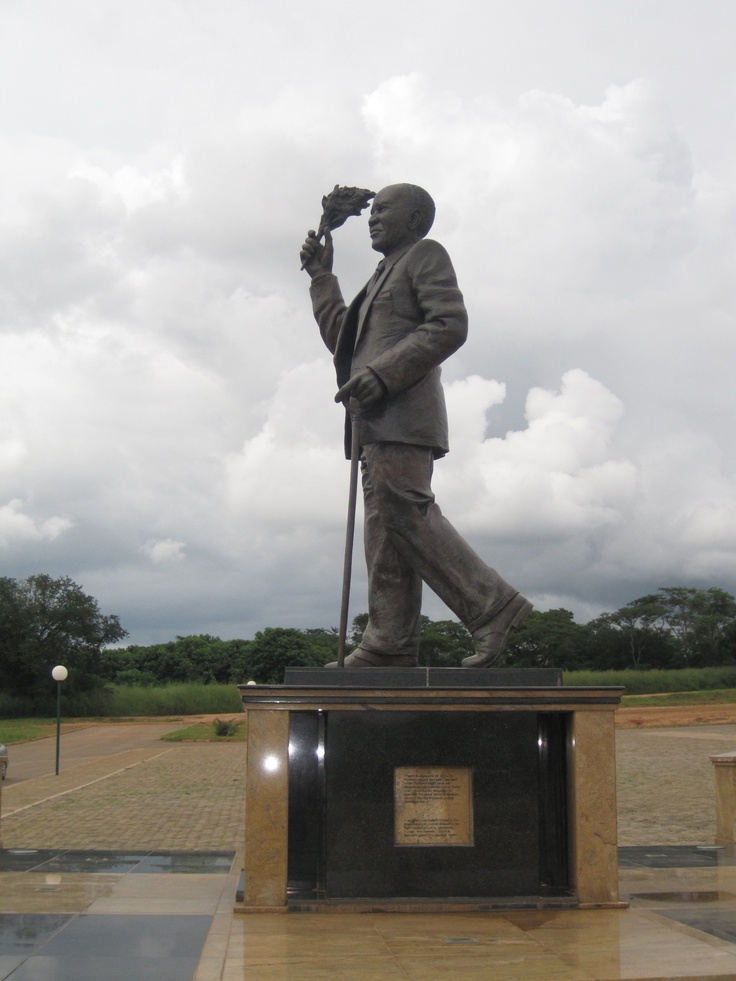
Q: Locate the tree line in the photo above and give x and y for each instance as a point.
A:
(45, 621)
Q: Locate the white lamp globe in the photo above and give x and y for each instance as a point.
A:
(59, 673)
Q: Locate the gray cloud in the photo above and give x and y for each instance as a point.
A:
(167, 431)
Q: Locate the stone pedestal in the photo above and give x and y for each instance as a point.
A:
(429, 789)
(725, 771)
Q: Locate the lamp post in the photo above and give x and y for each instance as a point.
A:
(59, 674)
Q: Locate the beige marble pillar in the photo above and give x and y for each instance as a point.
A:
(725, 773)
(592, 782)
(266, 810)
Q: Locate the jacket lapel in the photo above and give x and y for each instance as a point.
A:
(346, 340)
(372, 291)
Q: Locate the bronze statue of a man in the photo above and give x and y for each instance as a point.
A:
(388, 345)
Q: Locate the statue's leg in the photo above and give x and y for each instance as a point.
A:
(400, 481)
(394, 588)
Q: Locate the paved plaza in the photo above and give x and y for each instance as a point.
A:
(125, 866)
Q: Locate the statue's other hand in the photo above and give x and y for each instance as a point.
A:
(316, 258)
(363, 390)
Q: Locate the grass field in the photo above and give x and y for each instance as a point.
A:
(24, 730)
(722, 696)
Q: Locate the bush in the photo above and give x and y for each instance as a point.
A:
(15, 707)
(224, 727)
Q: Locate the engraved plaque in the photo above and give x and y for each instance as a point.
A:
(433, 805)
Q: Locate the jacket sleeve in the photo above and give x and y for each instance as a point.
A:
(328, 307)
(428, 300)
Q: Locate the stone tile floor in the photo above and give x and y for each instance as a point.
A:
(152, 908)
(85, 916)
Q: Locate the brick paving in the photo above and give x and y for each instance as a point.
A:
(190, 796)
(185, 797)
(666, 784)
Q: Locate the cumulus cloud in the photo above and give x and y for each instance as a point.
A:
(165, 550)
(275, 468)
(569, 199)
(17, 527)
(167, 430)
(132, 186)
(553, 479)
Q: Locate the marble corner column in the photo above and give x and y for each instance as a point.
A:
(725, 773)
(266, 811)
(592, 768)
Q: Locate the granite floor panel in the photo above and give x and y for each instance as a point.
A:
(676, 856)
(522, 967)
(596, 945)
(113, 968)
(372, 969)
(162, 937)
(181, 928)
(717, 922)
(36, 948)
(111, 860)
(134, 910)
(21, 935)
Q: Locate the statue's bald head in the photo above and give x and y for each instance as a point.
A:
(419, 200)
(401, 215)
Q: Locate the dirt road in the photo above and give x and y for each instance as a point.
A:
(653, 716)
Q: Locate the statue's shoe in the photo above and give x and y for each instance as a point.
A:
(490, 639)
(368, 659)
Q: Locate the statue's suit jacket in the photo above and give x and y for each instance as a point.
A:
(402, 325)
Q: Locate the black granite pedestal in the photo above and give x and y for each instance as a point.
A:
(352, 736)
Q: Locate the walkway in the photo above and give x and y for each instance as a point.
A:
(125, 867)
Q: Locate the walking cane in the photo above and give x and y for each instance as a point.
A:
(349, 536)
(337, 207)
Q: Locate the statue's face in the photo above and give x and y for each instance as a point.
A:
(392, 224)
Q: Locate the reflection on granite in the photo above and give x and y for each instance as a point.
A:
(681, 924)
(186, 863)
(716, 922)
(21, 934)
(110, 862)
(87, 948)
(676, 856)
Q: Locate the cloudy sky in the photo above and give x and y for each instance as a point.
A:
(168, 437)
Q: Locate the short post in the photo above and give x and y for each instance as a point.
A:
(59, 674)
(725, 772)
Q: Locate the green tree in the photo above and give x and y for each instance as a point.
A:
(677, 625)
(324, 639)
(275, 648)
(443, 643)
(701, 620)
(550, 639)
(614, 647)
(44, 622)
(198, 658)
(632, 636)
(360, 622)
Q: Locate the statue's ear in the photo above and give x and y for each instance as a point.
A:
(415, 218)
